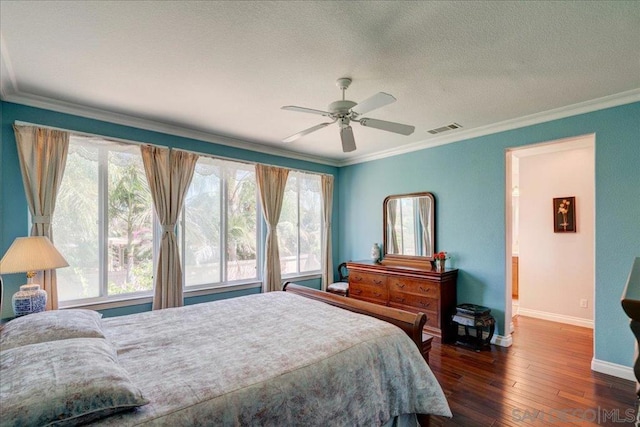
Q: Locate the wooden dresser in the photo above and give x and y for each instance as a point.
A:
(408, 288)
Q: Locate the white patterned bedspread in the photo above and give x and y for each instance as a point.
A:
(273, 359)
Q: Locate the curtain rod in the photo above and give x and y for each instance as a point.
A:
(128, 141)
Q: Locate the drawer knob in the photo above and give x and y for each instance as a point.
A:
(400, 285)
(400, 299)
(377, 294)
(425, 289)
(377, 282)
(425, 304)
(356, 291)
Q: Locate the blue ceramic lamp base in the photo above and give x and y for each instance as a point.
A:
(29, 299)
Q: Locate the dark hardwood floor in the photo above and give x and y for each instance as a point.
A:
(545, 378)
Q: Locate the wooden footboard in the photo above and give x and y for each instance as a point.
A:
(410, 323)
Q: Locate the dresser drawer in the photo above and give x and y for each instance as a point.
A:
(420, 302)
(367, 291)
(414, 286)
(358, 277)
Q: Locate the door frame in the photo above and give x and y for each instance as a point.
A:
(564, 144)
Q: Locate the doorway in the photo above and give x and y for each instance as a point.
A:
(550, 273)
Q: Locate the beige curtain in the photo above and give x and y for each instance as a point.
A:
(392, 212)
(423, 211)
(43, 156)
(327, 207)
(169, 174)
(271, 184)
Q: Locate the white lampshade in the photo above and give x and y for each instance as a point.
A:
(29, 254)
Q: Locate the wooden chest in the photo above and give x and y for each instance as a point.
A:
(408, 288)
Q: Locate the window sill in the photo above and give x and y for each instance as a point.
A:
(302, 277)
(221, 289)
(112, 303)
(148, 299)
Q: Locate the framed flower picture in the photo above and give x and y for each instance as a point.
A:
(564, 215)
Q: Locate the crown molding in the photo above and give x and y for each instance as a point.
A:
(7, 76)
(614, 100)
(7, 94)
(11, 95)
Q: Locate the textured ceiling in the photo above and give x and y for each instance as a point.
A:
(225, 68)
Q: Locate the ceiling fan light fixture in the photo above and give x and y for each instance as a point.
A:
(343, 122)
(344, 112)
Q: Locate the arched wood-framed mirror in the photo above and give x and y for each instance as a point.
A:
(409, 228)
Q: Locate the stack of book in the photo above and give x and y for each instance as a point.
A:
(472, 315)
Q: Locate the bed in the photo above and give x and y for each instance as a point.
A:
(273, 359)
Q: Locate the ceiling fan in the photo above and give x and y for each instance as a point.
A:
(344, 112)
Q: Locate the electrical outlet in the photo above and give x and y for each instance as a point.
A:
(583, 303)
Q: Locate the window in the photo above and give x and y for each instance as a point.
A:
(219, 227)
(103, 222)
(300, 225)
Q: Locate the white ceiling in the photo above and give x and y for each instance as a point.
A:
(220, 71)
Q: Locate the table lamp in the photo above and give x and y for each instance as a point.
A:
(30, 255)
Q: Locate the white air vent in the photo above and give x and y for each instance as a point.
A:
(446, 128)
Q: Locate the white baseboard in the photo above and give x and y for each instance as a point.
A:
(560, 318)
(502, 341)
(613, 369)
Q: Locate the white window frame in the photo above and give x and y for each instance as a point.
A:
(224, 212)
(104, 301)
(103, 236)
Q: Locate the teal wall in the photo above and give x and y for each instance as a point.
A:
(468, 180)
(13, 205)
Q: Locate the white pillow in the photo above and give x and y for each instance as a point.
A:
(64, 382)
(51, 326)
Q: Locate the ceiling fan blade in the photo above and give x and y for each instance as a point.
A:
(378, 100)
(348, 143)
(306, 131)
(306, 110)
(388, 126)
